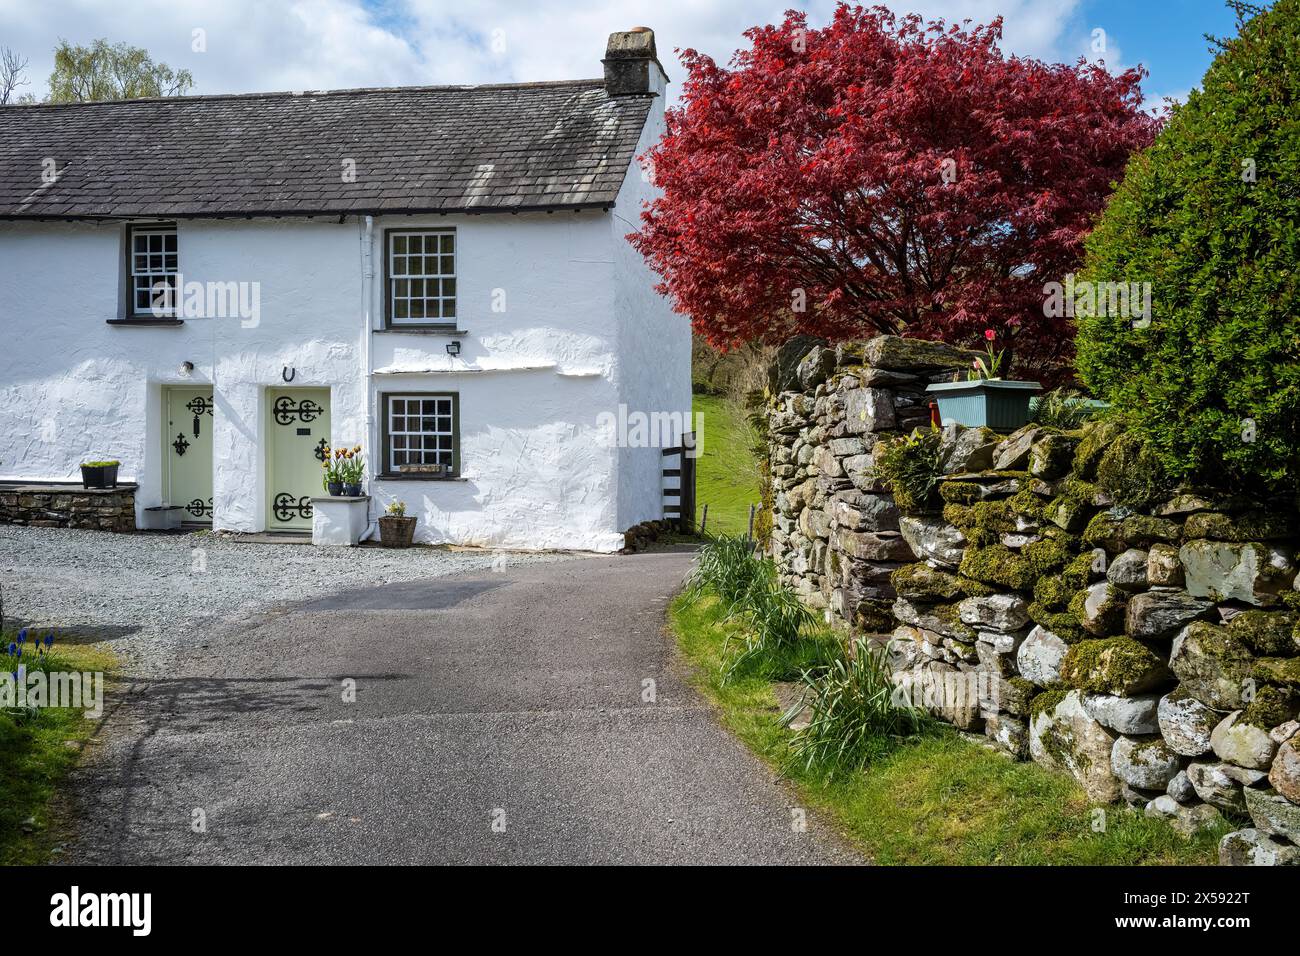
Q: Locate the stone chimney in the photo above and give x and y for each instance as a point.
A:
(632, 66)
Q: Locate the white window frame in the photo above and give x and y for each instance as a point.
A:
(145, 280)
(445, 405)
(401, 287)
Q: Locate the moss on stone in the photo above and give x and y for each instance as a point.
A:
(921, 583)
(997, 564)
(1251, 526)
(1278, 670)
(1072, 509)
(972, 588)
(1046, 701)
(1025, 502)
(1060, 623)
(961, 492)
(1051, 592)
(949, 615)
(1052, 455)
(1134, 531)
(1096, 439)
(983, 523)
(992, 563)
(1110, 614)
(1266, 632)
(1132, 473)
(1023, 685)
(1112, 665)
(1271, 706)
(1046, 555)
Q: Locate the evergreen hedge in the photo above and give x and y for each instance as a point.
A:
(1210, 216)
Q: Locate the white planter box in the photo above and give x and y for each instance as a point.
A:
(338, 521)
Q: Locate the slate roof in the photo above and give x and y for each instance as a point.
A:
(564, 145)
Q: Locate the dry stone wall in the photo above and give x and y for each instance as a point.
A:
(67, 506)
(1152, 653)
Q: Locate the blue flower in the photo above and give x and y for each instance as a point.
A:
(22, 636)
(13, 648)
(49, 639)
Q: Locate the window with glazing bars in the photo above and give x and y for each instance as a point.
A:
(420, 430)
(422, 277)
(154, 266)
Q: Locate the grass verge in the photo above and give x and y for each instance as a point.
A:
(941, 799)
(36, 754)
(726, 477)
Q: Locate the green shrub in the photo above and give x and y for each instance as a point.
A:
(1063, 408)
(854, 713)
(1213, 381)
(911, 467)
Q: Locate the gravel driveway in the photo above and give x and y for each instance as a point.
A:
(147, 593)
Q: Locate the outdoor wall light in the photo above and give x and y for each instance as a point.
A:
(185, 369)
(453, 348)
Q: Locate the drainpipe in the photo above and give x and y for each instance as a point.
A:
(367, 366)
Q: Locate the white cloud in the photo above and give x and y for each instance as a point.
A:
(260, 45)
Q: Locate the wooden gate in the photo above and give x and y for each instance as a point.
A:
(679, 501)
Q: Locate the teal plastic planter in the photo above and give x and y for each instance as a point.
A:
(996, 403)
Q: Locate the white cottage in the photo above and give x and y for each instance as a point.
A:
(211, 289)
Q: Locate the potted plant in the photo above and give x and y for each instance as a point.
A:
(332, 479)
(396, 530)
(99, 474)
(351, 468)
(985, 397)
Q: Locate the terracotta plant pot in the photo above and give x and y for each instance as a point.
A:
(396, 532)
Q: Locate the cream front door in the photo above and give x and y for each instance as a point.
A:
(298, 431)
(188, 439)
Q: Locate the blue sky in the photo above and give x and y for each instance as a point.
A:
(1165, 37)
(260, 45)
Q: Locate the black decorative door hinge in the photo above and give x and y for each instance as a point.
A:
(199, 406)
(180, 444)
(287, 507)
(286, 410)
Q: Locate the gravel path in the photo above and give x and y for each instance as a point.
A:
(146, 593)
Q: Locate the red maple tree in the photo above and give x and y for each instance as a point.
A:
(884, 175)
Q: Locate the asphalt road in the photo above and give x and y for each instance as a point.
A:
(498, 717)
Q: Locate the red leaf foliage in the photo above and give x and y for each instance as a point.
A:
(887, 174)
